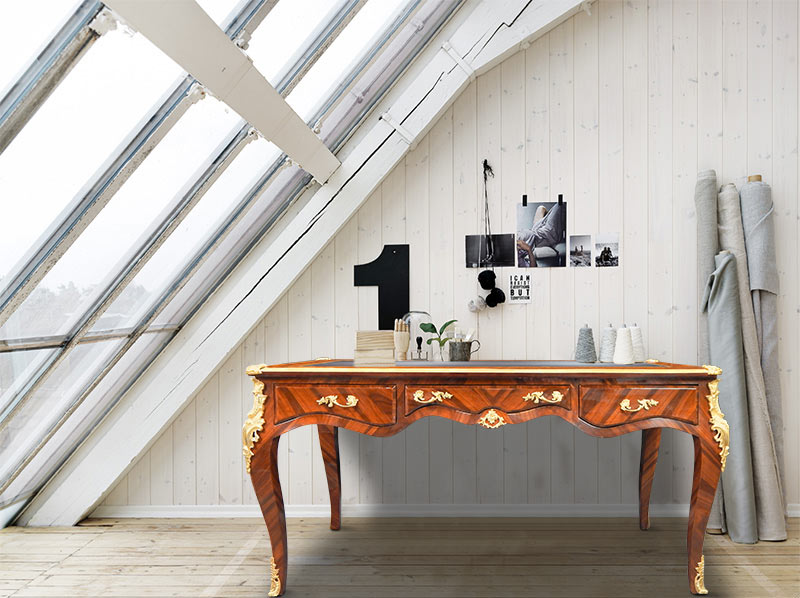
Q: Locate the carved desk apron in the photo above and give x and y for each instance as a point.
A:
(600, 399)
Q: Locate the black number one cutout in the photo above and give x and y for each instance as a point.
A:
(389, 272)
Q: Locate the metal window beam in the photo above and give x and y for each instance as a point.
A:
(185, 33)
(80, 212)
(47, 70)
(60, 340)
(339, 17)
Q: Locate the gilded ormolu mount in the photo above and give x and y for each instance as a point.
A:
(254, 423)
(699, 579)
(719, 426)
(274, 579)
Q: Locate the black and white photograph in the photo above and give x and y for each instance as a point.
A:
(487, 251)
(542, 235)
(580, 251)
(606, 250)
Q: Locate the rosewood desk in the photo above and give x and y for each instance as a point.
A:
(599, 399)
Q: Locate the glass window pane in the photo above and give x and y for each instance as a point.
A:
(360, 35)
(23, 37)
(71, 136)
(50, 401)
(218, 201)
(62, 297)
(282, 32)
(15, 368)
(86, 416)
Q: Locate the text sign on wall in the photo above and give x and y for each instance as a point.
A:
(519, 288)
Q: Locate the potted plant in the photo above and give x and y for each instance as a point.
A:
(439, 338)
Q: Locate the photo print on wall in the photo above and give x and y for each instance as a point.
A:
(542, 235)
(580, 251)
(606, 250)
(490, 251)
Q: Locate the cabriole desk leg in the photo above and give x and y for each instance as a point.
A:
(707, 469)
(329, 444)
(267, 485)
(651, 440)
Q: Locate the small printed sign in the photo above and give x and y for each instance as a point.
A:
(519, 288)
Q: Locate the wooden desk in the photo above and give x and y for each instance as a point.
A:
(600, 399)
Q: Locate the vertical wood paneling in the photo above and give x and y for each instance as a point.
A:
(659, 210)
(537, 181)
(232, 408)
(684, 235)
(184, 456)
(490, 444)
(784, 193)
(512, 185)
(617, 110)
(369, 247)
(300, 441)
(393, 227)
(562, 298)
(634, 234)
(442, 240)
(418, 235)
(584, 210)
(610, 209)
(465, 220)
(207, 457)
(345, 254)
(161, 458)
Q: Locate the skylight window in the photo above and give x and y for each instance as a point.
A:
(110, 90)
(23, 37)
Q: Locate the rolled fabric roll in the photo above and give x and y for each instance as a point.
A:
(762, 267)
(721, 304)
(705, 204)
(623, 349)
(607, 344)
(638, 344)
(769, 494)
(584, 349)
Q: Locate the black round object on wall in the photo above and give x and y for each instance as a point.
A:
(487, 279)
(495, 297)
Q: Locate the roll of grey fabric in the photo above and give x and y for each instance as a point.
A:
(705, 204)
(759, 237)
(721, 304)
(769, 496)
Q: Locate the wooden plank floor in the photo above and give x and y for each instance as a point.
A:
(388, 557)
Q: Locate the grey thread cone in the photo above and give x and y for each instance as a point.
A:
(585, 351)
(607, 344)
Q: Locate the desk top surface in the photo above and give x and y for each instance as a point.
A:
(483, 367)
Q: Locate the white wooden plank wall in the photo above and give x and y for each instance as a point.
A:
(617, 110)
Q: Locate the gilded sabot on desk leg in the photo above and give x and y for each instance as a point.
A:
(252, 370)
(699, 579)
(719, 426)
(254, 422)
(713, 370)
(275, 579)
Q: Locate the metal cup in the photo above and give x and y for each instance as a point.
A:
(461, 350)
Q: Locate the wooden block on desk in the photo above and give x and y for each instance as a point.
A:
(374, 339)
(364, 357)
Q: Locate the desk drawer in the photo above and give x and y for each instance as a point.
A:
(607, 406)
(370, 404)
(475, 399)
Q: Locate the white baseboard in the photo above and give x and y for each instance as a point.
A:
(437, 510)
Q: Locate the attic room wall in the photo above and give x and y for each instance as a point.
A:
(617, 111)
